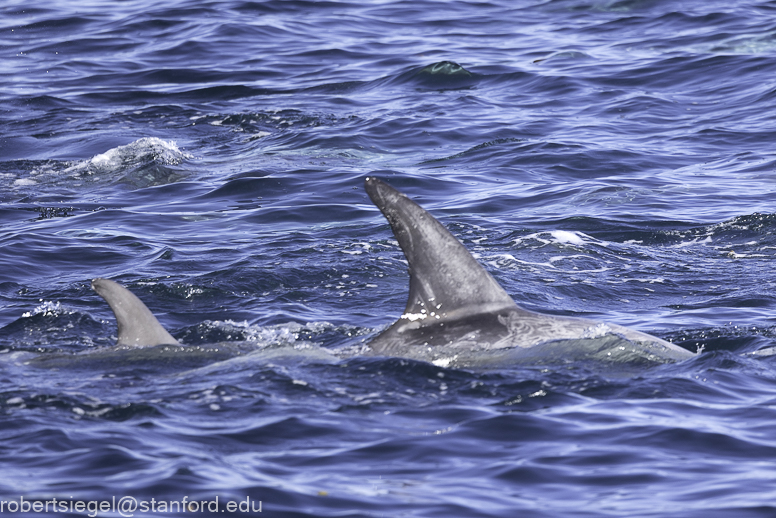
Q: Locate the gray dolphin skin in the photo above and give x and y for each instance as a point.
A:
(456, 308)
(446, 68)
(137, 326)
(142, 341)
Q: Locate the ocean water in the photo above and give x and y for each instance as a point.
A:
(606, 159)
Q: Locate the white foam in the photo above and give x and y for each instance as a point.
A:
(562, 237)
(696, 241)
(444, 362)
(566, 237)
(47, 309)
(596, 331)
(143, 150)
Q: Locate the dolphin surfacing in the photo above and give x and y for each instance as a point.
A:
(137, 326)
(455, 307)
(143, 342)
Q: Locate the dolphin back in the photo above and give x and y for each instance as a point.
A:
(136, 324)
(455, 308)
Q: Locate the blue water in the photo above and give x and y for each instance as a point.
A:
(606, 159)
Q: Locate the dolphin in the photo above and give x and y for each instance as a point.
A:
(137, 326)
(445, 68)
(456, 310)
(142, 342)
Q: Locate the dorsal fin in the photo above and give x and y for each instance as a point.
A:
(444, 277)
(137, 325)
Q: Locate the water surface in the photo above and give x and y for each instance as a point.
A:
(605, 159)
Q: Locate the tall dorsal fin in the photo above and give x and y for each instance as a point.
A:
(444, 277)
(137, 325)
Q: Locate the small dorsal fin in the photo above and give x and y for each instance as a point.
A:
(136, 324)
(444, 277)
